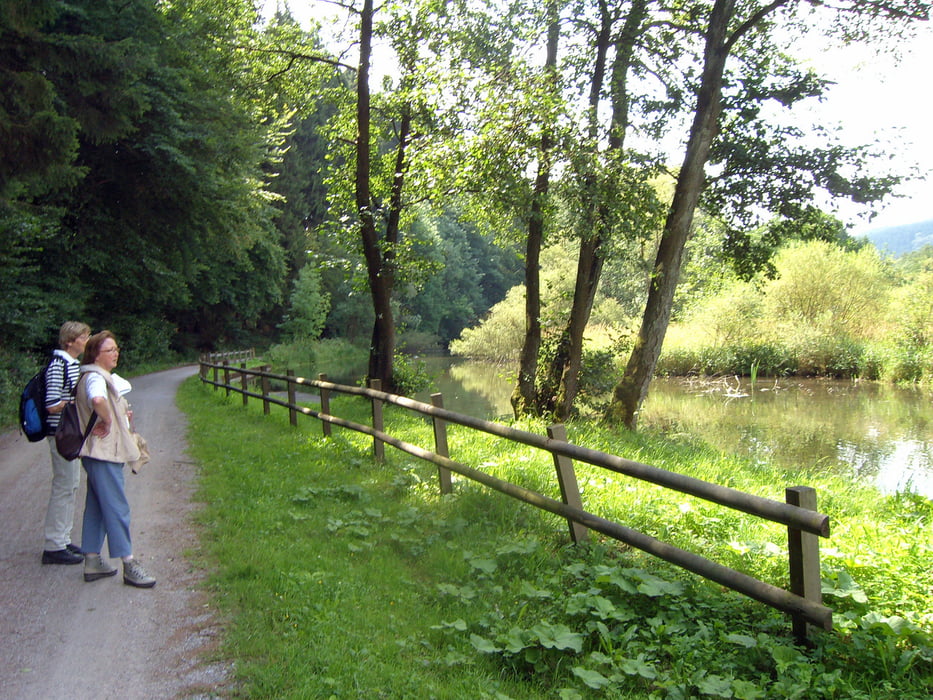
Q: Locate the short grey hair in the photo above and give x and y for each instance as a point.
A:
(71, 331)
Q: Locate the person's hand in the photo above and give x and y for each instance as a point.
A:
(57, 408)
(101, 428)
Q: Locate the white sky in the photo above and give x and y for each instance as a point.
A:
(874, 99)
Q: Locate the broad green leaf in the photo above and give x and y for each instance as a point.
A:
(483, 645)
(593, 679)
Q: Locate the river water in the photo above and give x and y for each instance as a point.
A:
(879, 434)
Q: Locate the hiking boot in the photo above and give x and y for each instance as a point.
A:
(135, 575)
(95, 567)
(61, 556)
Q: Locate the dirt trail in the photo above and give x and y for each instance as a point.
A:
(63, 638)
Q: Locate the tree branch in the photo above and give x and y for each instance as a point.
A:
(297, 55)
(751, 22)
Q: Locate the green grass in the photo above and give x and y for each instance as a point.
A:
(341, 577)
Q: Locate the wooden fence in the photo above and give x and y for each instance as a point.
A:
(229, 356)
(803, 602)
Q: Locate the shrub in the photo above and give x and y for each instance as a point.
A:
(828, 289)
(499, 337)
(769, 359)
(598, 376)
(409, 374)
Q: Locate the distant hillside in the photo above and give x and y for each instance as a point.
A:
(898, 240)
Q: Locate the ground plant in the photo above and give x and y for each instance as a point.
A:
(340, 576)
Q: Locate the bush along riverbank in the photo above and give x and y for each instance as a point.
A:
(345, 577)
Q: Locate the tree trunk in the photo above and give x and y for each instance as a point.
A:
(382, 345)
(589, 271)
(523, 396)
(631, 390)
(563, 378)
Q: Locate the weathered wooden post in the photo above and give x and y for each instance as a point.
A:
(379, 449)
(265, 389)
(325, 405)
(292, 413)
(567, 479)
(244, 382)
(227, 377)
(804, 552)
(440, 444)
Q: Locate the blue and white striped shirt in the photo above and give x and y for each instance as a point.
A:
(61, 378)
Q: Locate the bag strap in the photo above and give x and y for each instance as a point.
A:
(72, 387)
(90, 424)
(90, 421)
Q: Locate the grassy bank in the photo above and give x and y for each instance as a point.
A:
(346, 578)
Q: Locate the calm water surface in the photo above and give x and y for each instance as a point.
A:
(880, 434)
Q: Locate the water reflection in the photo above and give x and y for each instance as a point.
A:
(479, 389)
(873, 432)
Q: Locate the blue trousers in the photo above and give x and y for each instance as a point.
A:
(106, 510)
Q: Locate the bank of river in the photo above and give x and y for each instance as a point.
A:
(873, 432)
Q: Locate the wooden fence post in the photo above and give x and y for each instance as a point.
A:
(227, 377)
(567, 479)
(292, 413)
(215, 377)
(265, 389)
(244, 383)
(325, 405)
(440, 444)
(804, 552)
(379, 448)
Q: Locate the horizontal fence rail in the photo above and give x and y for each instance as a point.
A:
(805, 525)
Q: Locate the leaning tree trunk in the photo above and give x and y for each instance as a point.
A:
(631, 390)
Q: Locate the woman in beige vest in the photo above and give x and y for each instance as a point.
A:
(108, 448)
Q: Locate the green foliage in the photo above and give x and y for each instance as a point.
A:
(410, 375)
(308, 306)
(499, 336)
(471, 274)
(829, 311)
(475, 595)
(767, 359)
(828, 289)
(598, 374)
(912, 309)
(338, 358)
(730, 315)
(145, 213)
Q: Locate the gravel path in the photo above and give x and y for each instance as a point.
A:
(63, 638)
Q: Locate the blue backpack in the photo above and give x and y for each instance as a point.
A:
(32, 413)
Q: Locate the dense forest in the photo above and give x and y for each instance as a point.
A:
(193, 175)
